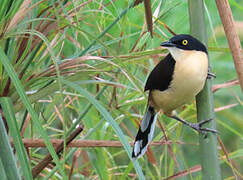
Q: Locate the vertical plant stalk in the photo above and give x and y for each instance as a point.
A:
(205, 107)
(232, 37)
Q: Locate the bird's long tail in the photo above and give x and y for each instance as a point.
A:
(145, 133)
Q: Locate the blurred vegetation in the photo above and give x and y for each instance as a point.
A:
(64, 60)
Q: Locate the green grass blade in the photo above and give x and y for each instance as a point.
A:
(108, 28)
(111, 121)
(3, 9)
(7, 156)
(98, 161)
(237, 5)
(127, 170)
(13, 7)
(230, 129)
(2, 171)
(19, 88)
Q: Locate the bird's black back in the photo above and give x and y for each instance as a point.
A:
(161, 76)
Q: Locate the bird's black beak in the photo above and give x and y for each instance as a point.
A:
(167, 44)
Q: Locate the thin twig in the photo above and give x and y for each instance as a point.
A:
(74, 162)
(225, 85)
(185, 172)
(26, 122)
(34, 143)
(169, 146)
(232, 37)
(225, 107)
(231, 164)
(59, 148)
(136, 2)
(148, 16)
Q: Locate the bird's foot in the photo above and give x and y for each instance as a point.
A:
(211, 75)
(198, 127)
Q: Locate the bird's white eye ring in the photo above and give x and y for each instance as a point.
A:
(184, 42)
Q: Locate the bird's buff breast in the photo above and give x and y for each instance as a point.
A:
(188, 80)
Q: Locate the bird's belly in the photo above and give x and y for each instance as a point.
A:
(169, 100)
(188, 80)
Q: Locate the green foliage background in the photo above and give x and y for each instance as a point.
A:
(64, 61)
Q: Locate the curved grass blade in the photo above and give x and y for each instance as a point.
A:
(111, 121)
(19, 88)
(7, 156)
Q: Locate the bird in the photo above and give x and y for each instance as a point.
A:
(173, 82)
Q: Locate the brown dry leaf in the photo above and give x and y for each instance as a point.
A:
(58, 114)
(136, 2)
(151, 157)
(69, 64)
(26, 122)
(86, 170)
(46, 28)
(24, 9)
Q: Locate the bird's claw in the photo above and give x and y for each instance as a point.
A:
(211, 75)
(204, 131)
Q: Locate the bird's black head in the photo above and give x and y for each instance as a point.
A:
(185, 42)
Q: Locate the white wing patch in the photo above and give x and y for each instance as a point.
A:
(145, 121)
(145, 133)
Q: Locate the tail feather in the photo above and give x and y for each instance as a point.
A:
(145, 133)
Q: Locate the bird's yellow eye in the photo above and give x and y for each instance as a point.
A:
(184, 42)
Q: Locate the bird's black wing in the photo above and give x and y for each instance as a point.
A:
(161, 76)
